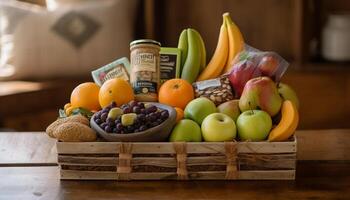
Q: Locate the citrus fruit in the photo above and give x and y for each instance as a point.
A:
(179, 114)
(176, 93)
(85, 96)
(117, 90)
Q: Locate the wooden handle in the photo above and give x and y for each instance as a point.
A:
(124, 163)
(181, 159)
(231, 156)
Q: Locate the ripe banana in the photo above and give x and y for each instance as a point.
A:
(192, 64)
(236, 42)
(202, 51)
(183, 46)
(288, 123)
(218, 61)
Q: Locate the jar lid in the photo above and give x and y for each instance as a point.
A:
(144, 41)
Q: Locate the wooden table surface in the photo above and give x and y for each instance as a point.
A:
(28, 171)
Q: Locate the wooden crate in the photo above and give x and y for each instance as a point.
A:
(178, 161)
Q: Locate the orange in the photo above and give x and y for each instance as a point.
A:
(179, 114)
(117, 90)
(176, 93)
(85, 95)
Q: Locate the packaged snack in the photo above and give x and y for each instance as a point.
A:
(117, 69)
(252, 63)
(218, 90)
(144, 76)
(170, 61)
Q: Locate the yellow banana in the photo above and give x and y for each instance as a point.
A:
(218, 61)
(288, 123)
(236, 42)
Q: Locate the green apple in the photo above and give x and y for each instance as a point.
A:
(230, 108)
(186, 130)
(199, 108)
(254, 125)
(287, 93)
(261, 92)
(218, 127)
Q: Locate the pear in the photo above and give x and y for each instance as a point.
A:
(230, 108)
(261, 93)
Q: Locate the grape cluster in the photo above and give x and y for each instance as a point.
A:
(141, 116)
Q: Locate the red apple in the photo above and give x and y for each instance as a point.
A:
(268, 66)
(241, 73)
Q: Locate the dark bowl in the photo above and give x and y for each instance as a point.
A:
(156, 134)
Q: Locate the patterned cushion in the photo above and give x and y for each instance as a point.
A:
(70, 40)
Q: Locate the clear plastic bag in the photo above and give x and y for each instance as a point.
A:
(252, 63)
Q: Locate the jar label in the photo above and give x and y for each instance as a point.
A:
(144, 87)
(144, 62)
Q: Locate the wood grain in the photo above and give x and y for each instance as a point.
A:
(323, 145)
(314, 181)
(25, 148)
(167, 148)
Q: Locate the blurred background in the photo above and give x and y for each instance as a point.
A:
(41, 62)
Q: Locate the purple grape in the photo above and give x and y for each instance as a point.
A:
(164, 114)
(136, 110)
(97, 115)
(133, 103)
(104, 117)
(115, 130)
(151, 118)
(143, 111)
(143, 128)
(152, 109)
(108, 129)
(98, 121)
(111, 123)
(126, 110)
(130, 129)
(153, 124)
(103, 125)
(119, 126)
(159, 121)
(157, 114)
(141, 117)
(141, 105)
(113, 104)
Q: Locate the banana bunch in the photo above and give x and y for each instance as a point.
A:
(193, 54)
(230, 43)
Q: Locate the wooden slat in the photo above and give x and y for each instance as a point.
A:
(167, 148)
(283, 161)
(242, 175)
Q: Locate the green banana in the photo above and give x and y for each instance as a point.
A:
(202, 51)
(191, 67)
(183, 45)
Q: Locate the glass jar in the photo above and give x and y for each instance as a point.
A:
(336, 38)
(145, 75)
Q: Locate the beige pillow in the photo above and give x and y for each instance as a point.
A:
(67, 41)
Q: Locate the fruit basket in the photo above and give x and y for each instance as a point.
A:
(170, 115)
(177, 160)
